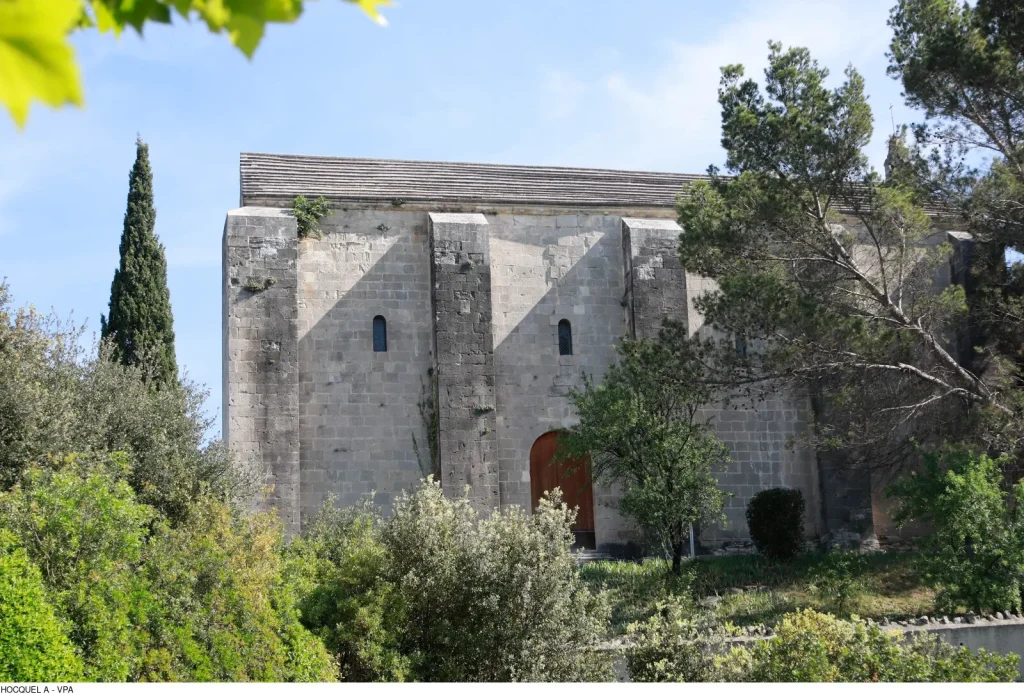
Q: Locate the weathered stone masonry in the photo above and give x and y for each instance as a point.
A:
(472, 267)
(655, 282)
(359, 408)
(461, 277)
(261, 368)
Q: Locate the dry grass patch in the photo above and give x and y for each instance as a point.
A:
(749, 589)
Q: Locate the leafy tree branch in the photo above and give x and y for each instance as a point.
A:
(37, 61)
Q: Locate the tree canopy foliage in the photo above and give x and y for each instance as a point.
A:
(975, 547)
(55, 400)
(140, 325)
(37, 60)
(962, 64)
(34, 645)
(205, 600)
(827, 271)
(435, 593)
(643, 427)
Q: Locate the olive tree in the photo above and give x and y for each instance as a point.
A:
(438, 593)
(643, 427)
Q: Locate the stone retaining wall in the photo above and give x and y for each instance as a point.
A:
(994, 635)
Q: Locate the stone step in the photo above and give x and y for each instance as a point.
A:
(585, 556)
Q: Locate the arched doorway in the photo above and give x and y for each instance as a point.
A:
(574, 481)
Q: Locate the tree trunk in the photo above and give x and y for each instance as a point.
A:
(677, 557)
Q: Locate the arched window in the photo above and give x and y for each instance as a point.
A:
(380, 334)
(564, 337)
(741, 346)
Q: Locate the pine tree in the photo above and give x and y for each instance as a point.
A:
(140, 324)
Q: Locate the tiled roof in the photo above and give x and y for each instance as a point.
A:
(275, 180)
(270, 179)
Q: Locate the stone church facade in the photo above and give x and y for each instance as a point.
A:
(441, 318)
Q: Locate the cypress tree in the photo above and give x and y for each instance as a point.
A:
(140, 324)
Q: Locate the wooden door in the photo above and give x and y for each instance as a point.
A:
(574, 480)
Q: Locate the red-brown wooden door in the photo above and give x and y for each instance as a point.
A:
(574, 480)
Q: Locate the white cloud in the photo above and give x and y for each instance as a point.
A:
(669, 119)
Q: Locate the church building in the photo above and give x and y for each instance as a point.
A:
(437, 322)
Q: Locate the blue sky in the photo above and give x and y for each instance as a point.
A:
(619, 84)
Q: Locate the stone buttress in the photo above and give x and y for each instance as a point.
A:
(261, 362)
(464, 356)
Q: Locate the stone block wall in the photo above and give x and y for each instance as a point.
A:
(546, 268)
(655, 280)
(474, 299)
(358, 408)
(758, 434)
(761, 438)
(261, 355)
(461, 281)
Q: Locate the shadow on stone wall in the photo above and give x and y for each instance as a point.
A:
(583, 283)
(358, 408)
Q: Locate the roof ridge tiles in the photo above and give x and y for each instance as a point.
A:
(271, 178)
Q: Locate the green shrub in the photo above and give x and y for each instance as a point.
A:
(55, 400)
(975, 546)
(775, 519)
(346, 603)
(84, 529)
(34, 645)
(308, 214)
(675, 645)
(442, 595)
(500, 597)
(807, 647)
(812, 647)
(223, 604)
(207, 598)
(836, 580)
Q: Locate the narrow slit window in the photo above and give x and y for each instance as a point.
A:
(380, 334)
(741, 346)
(564, 337)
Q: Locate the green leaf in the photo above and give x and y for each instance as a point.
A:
(246, 32)
(36, 60)
(246, 19)
(370, 8)
(135, 13)
(105, 19)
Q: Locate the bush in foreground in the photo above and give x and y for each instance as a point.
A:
(808, 647)
(812, 647)
(775, 518)
(435, 593)
(337, 566)
(224, 608)
(676, 645)
(975, 546)
(206, 599)
(33, 644)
